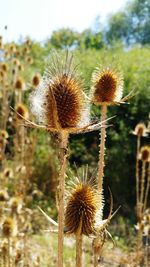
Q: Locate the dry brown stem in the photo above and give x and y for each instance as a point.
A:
(61, 188)
(102, 149)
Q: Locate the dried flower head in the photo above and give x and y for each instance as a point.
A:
(12, 48)
(20, 67)
(29, 60)
(83, 207)
(20, 84)
(59, 100)
(140, 130)
(36, 79)
(4, 67)
(15, 61)
(3, 195)
(107, 86)
(15, 204)
(7, 227)
(21, 111)
(144, 154)
(8, 173)
(4, 134)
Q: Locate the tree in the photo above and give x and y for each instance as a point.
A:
(132, 25)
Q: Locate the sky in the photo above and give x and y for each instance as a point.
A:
(38, 18)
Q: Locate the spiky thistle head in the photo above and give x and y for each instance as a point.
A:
(15, 204)
(3, 195)
(59, 101)
(140, 130)
(20, 84)
(4, 134)
(144, 154)
(107, 86)
(7, 227)
(4, 67)
(84, 206)
(21, 110)
(36, 79)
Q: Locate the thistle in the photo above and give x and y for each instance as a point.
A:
(20, 84)
(107, 88)
(7, 227)
(83, 208)
(36, 80)
(21, 111)
(140, 131)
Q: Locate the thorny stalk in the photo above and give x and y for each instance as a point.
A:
(147, 187)
(61, 189)
(142, 187)
(137, 175)
(79, 240)
(102, 149)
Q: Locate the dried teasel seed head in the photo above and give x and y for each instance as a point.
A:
(144, 154)
(8, 173)
(20, 67)
(3, 195)
(7, 227)
(20, 84)
(36, 80)
(83, 207)
(21, 110)
(59, 101)
(4, 67)
(15, 61)
(4, 134)
(29, 60)
(28, 42)
(107, 86)
(12, 48)
(15, 204)
(140, 130)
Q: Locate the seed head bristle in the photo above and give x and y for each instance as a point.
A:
(107, 86)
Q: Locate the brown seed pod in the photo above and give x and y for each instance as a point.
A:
(21, 111)
(144, 154)
(3, 195)
(82, 208)
(36, 79)
(107, 86)
(4, 134)
(4, 67)
(7, 227)
(59, 100)
(20, 84)
(8, 173)
(29, 60)
(140, 130)
(12, 48)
